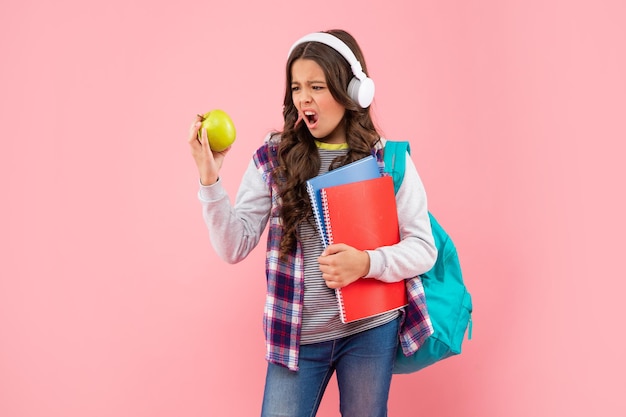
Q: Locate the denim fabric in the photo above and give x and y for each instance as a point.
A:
(363, 362)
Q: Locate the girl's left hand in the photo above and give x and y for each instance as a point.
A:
(342, 264)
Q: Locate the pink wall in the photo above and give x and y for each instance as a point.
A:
(112, 302)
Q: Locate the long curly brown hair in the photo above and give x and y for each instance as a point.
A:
(298, 156)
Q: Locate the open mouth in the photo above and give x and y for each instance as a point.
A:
(311, 118)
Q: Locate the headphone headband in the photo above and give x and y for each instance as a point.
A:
(361, 88)
(335, 43)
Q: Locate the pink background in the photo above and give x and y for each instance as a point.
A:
(112, 302)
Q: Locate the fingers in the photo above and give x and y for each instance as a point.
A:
(334, 280)
(335, 248)
(328, 268)
(204, 138)
(207, 161)
(342, 264)
(330, 283)
(193, 131)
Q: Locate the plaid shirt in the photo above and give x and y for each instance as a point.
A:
(285, 283)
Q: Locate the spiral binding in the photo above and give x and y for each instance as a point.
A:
(342, 309)
(329, 238)
(329, 230)
(316, 213)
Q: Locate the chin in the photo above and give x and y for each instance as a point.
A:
(320, 133)
(317, 135)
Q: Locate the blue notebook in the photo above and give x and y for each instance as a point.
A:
(363, 169)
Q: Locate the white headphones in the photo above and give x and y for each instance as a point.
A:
(361, 87)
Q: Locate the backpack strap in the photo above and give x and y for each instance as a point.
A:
(394, 157)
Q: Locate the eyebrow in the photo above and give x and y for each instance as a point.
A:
(310, 82)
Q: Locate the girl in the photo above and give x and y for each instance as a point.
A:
(327, 124)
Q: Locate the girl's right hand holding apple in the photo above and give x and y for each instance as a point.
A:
(208, 162)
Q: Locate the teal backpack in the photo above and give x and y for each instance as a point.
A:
(447, 299)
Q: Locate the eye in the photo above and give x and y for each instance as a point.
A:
(317, 87)
(295, 88)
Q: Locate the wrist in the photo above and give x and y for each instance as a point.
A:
(366, 263)
(207, 181)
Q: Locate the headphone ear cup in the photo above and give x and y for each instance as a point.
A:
(361, 91)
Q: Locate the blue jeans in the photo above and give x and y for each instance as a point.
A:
(363, 362)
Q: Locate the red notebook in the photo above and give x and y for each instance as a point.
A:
(363, 214)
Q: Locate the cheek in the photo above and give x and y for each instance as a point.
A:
(337, 109)
(331, 105)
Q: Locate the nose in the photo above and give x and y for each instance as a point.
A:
(305, 96)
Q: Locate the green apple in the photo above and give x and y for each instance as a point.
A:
(220, 129)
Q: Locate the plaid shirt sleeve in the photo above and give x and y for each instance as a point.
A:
(285, 278)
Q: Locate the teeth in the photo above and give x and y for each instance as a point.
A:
(309, 113)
